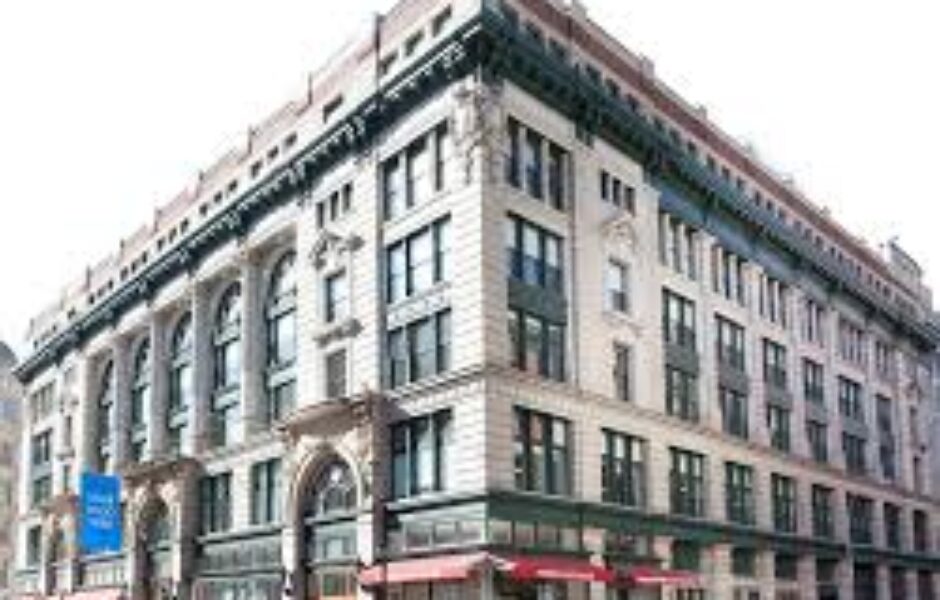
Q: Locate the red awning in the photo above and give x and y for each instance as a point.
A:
(435, 568)
(553, 568)
(652, 576)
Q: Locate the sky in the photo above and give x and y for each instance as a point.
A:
(109, 108)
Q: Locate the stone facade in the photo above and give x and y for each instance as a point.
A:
(424, 313)
(10, 398)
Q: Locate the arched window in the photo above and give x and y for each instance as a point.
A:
(140, 399)
(280, 311)
(181, 382)
(105, 420)
(334, 492)
(227, 339)
(228, 367)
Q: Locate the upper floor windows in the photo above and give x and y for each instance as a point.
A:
(536, 344)
(42, 402)
(181, 390)
(623, 469)
(678, 245)
(105, 420)
(215, 503)
(335, 205)
(419, 261)
(730, 343)
(687, 482)
(850, 400)
(813, 385)
(419, 349)
(773, 299)
(617, 282)
(140, 392)
(534, 255)
(783, 490)
(861, 514)
(617, 192)
(421, 454)
(823, 510)
(853, 450)
(814, 319)
(335, 296)
(852, 343)
(266, 492)
(415, 174)
(227, 339)
(280, 308)
(775, 364)
(885, 364)
(542, 446)
(281, 324)
(536, 165)
(739, 493)
(678, 319)
(728, 279)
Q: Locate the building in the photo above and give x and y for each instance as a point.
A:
(488, 312)
(9, 438)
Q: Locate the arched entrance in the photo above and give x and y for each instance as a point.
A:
(154, 549)
(328, 549)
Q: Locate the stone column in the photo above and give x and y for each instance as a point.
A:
(765, 574)
(845, 575)
(883, 580)
(121, 426)
(88, 438)
(156, 420)
(806, 574)
(722, 584)
(253, 350)
(203, 327)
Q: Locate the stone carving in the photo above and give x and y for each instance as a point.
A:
(477, 126)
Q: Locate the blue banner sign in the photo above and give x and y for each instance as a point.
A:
(100, 513)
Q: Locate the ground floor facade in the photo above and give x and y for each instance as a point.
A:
(483, 486)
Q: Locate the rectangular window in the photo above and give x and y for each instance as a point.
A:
(731, 343)
(534, 255)
(822, 504)
(921, 528)
(678, 320)
(537, 346)
(532, 164)
(33, 546)
(813, 386)
(266, 492)
(412, 176)
(885, 363)
(513, 153)
(543, 460)
(814, 317)
(421, 454)
(783, 491)
(852, 343)
(775, 364)
(778, 425)
(743, 564)
(678, 245)
(419, 349)
(728, 275)
(850, 400)
(734, 417)
(623, 372)
(336, 386)
(418, 262)
(617, 192)
(557, 165)
(215, 503)
(861, 513)
(739, 493)
(681, 394)
(853, 449)
(623, 469)
(336, 296)
(687, 483)
(886, 440)
(892, 521)
(618, 287)
(817, 436)
(773, 297)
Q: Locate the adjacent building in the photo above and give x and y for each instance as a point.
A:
(489, 311)
(10, 434)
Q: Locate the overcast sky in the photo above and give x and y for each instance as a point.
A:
(108, 108)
